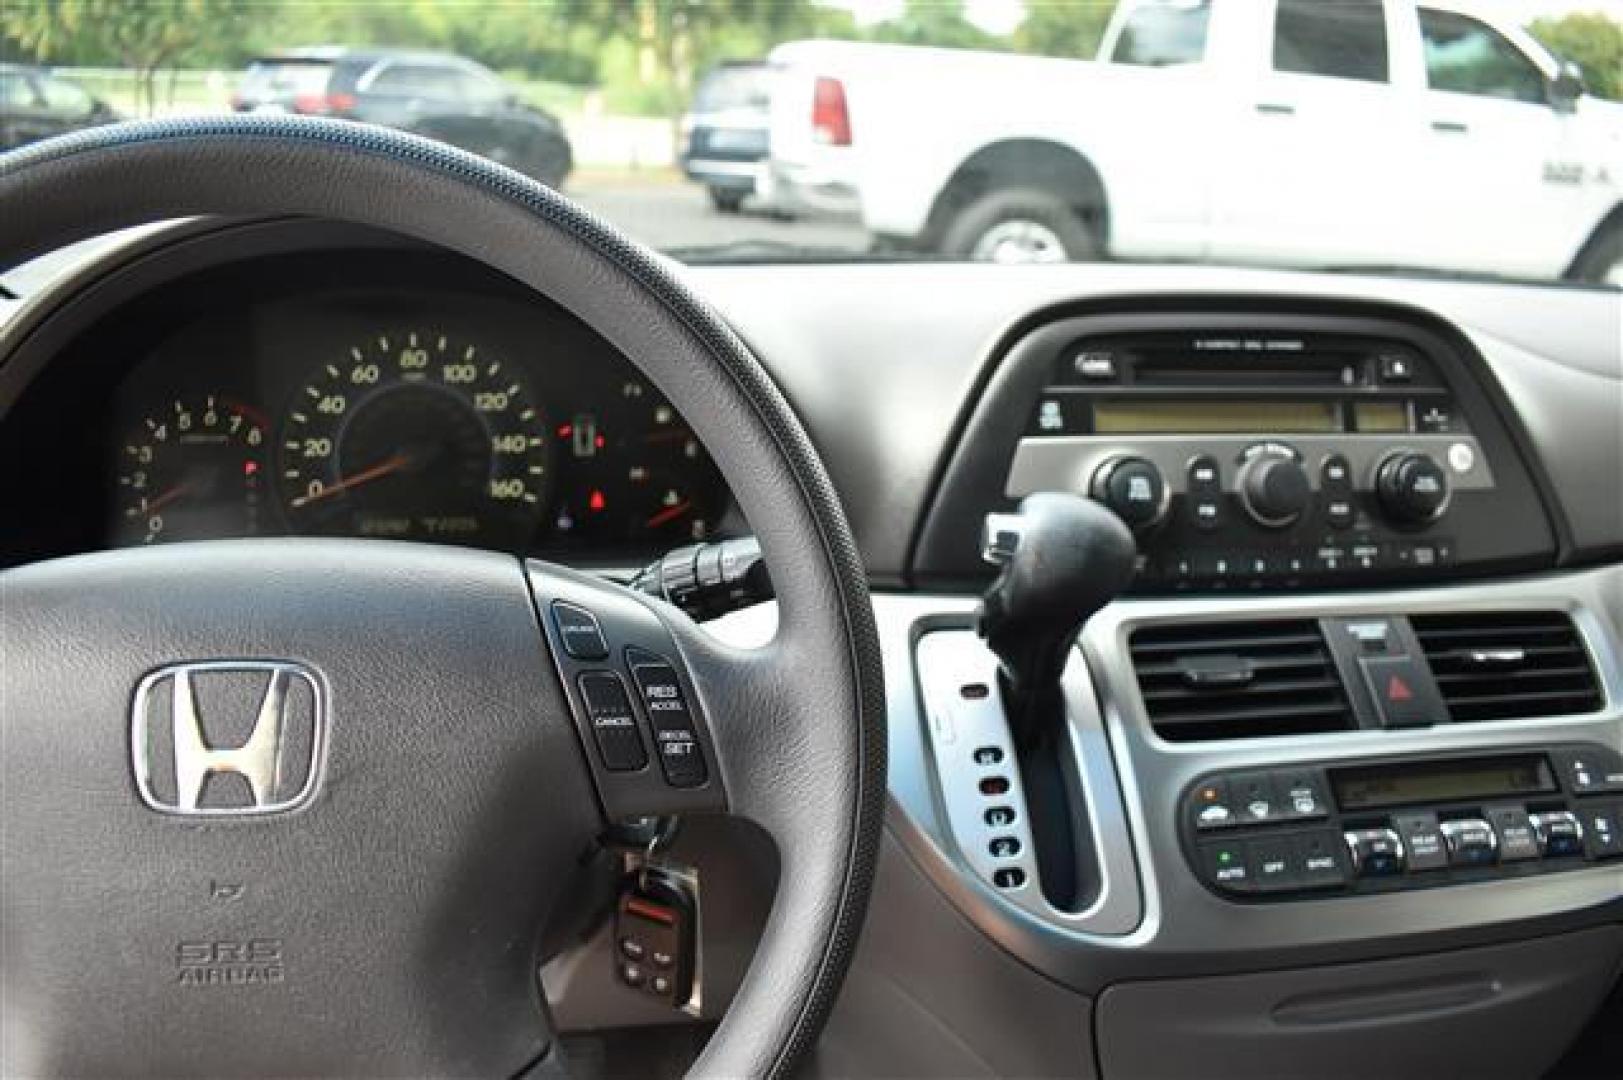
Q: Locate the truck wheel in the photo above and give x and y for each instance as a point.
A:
(1020, 225)
(726, 201)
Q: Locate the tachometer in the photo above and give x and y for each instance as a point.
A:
(191, 471)
(416, 436)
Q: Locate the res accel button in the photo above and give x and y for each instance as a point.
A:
(676, 739)
(579, 631)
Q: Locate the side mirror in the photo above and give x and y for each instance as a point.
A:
(1567, 87)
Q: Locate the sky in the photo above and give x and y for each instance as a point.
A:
(1002, 16)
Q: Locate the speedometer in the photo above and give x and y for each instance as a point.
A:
(417, 436)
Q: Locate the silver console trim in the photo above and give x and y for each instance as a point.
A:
(1182, 921)
(957, 727)
(1069, 462)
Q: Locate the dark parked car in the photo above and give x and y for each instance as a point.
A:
(34, 104)
(727, 133)
(435, 94)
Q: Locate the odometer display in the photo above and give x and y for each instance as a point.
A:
(417, 436)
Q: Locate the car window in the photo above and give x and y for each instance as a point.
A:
(284, 78)
(15, 92)
(1465, 57)
(61, 96)
(476, 86)
(415, 80)
(734, 88)
(1342, 39)
(1163, 33)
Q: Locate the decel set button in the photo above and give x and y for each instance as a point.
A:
(676, 739)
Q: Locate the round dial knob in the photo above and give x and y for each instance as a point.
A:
(1275, 489)
(1412, 487)
(1134, 488)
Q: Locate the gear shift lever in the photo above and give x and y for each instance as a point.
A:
(1063, 558)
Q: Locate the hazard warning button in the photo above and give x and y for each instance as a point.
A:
(1403, 691)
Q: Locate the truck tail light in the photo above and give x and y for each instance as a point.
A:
(323, 104)
(831, 120)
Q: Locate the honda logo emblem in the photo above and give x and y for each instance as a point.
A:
(268, 728)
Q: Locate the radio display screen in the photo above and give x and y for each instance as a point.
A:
(1150, 417)
(1379, 786)
(1388, 417)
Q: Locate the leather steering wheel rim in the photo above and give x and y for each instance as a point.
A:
(814, 772)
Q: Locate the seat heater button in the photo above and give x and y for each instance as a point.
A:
(579, 631)
(1516, 839)
(675, 737)
(1423, 839)
(614, 723)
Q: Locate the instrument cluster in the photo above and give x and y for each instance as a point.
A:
(431, 415)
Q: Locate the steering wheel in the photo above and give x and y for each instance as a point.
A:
(422, 732)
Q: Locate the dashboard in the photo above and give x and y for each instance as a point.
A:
(1346, 764)
(362, 392)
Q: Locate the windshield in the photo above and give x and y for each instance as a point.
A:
(1465, 138)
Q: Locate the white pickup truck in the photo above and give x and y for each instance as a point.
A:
(1423, 133)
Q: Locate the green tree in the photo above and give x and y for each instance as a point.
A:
(145, 36)
(940, 23)
(1064, 28)
(1591, 40)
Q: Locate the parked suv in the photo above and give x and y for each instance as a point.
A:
(725, 143)
(35, 104)
(434, 94)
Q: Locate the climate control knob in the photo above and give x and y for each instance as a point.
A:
(1275, 489)
(1412, 487)
(1134, 488)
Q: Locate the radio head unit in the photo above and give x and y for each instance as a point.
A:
(1252, 451)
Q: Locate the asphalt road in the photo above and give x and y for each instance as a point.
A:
(675, 214)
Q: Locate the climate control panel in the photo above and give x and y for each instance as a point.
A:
(1304, 831)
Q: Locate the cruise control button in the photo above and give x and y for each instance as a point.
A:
(614, 724)
(1423, 839)
(579, 631)
(676, 739)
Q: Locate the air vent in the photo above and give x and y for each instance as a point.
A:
(1248, 680)
(1500, 665)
